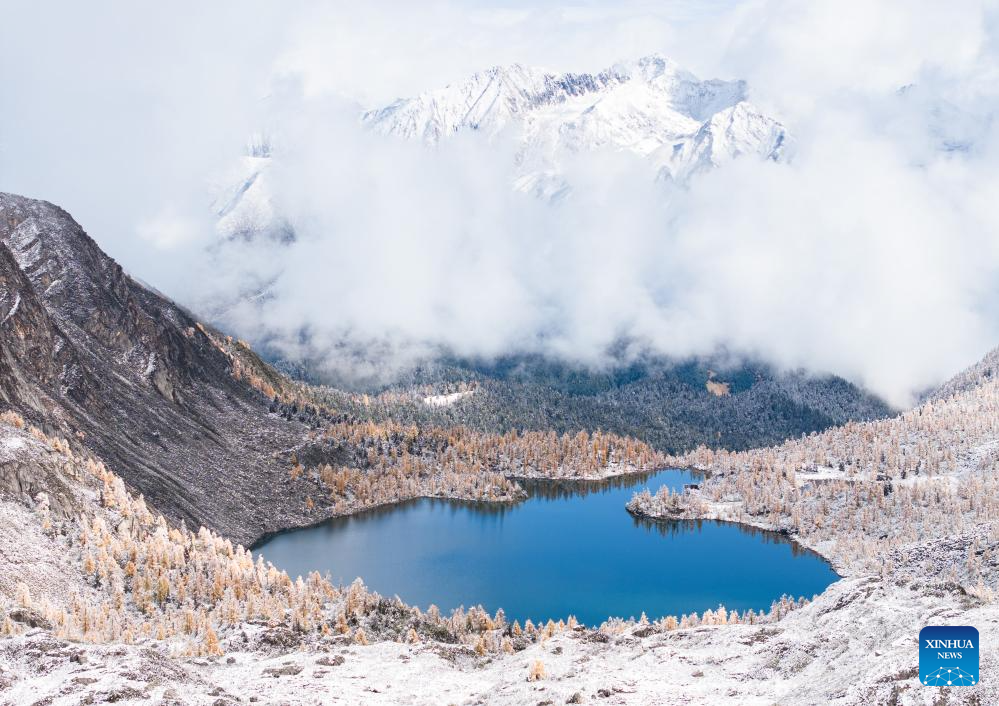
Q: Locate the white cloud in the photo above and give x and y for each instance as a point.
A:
(873, 255)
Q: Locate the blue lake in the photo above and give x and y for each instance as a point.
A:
(571, 548)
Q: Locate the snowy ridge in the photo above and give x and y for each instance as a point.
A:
(650, 107)
(486, 101)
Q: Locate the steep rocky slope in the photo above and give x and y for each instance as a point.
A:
(88, 351)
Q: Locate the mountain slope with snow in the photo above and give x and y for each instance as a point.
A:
(650, 107)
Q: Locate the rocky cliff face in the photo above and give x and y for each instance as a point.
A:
(87, 351)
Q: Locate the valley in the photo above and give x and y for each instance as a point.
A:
(109, 592)
(666, 403)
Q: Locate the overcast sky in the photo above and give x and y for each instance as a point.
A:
(873, 254)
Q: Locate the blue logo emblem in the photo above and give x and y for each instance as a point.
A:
(948, 655)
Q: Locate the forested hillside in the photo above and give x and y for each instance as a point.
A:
(984, 371)
(872, 494)
(672, 405)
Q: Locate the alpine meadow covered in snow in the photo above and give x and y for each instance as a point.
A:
(499, 352)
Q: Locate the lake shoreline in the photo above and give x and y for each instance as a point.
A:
(578, 520)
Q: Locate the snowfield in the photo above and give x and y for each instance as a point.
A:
(447, 400)
(857, 644)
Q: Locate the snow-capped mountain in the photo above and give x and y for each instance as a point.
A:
(650, 107)
(242, 204)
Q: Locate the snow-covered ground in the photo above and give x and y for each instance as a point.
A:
(447, 400)
(857, 644)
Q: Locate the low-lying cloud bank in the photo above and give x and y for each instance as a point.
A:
(874, 254)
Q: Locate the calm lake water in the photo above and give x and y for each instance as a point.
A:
(571, 548)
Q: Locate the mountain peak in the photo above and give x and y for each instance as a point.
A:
(650, 106)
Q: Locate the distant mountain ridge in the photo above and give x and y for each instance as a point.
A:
(673, 405)
(650, 107)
